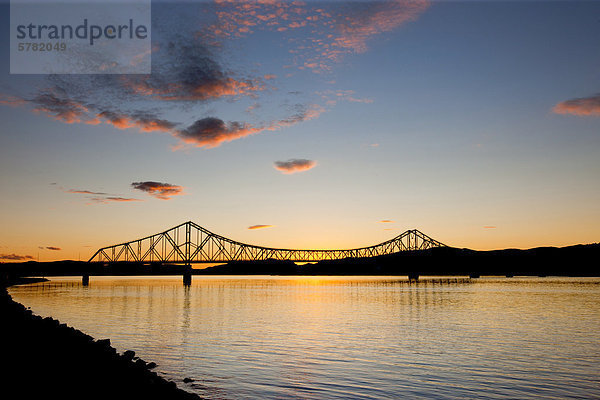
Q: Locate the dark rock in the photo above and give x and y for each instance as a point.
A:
(128, 355)
(81, 367)
(141, 363)
(187, 380)
(151, 365)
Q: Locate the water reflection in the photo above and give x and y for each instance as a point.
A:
(340, 337)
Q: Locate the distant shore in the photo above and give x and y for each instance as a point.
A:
(441, 261)
(46, 359)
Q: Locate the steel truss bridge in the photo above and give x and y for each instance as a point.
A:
(189, 243)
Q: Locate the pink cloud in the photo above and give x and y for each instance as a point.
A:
(260, 227)
(585, 106)
(163, 191)
(294, 165)
(145, 123)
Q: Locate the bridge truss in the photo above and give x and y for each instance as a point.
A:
(189, 243)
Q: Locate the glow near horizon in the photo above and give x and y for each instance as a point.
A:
(448, 122)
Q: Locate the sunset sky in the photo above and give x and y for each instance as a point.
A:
(314, 124)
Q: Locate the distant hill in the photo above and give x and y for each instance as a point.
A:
(578, 260)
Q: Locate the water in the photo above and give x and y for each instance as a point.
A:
(346, 337)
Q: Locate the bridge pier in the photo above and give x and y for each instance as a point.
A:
(413, 276)
(187, 276)
(85, 280)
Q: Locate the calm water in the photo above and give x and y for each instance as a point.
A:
(348, 337)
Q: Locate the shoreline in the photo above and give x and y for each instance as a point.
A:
(45, 358)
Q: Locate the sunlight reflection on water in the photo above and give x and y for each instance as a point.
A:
(341, 337)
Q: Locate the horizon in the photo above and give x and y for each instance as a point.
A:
(315, 125)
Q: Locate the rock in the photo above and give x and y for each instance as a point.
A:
(151, 365)
(140, 363)
(187, 380)
(128, 355)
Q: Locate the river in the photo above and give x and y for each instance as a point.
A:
(240, 337)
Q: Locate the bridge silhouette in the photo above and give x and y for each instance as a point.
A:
(189, 243)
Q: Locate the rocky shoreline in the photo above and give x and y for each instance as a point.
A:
(43, 358)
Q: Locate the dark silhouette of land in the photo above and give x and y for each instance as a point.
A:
(44, 359)
(578, 260)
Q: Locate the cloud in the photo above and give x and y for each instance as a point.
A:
(190, 68)
(489, 227)
(185, 70)
(260, 226)
(84, 192)
(145, 122)
(185, 74)
(160, 190)
(250, 109)
(211, 132)
(369, 19)
(53, 248)
(332, 30)
(585, 106)
(294, 165)
(15, 257)
(61, 108)
(8, 100)
(68, 110)
(386, 221)
(110, 199)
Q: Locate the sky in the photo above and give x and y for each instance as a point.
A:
(313, 124)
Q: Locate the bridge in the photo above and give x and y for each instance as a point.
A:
(189, 243)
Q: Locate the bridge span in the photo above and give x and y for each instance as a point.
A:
(189, 243)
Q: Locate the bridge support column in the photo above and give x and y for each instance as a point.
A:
(85, 280)
(187, 275)
(413, 276)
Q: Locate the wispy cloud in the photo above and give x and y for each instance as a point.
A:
(294, 165)
(145, 122)
(75, 191)
(489, 227)
(100, 197)
(333, 30)
(211, 132)
(386, 221)
(53, 248)
(302, 113)
(110, 199)
(584, 106)
(60, 107)
(15, 257)
(332, 97)
(163, 191)
(9, 100)
(260, 226)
